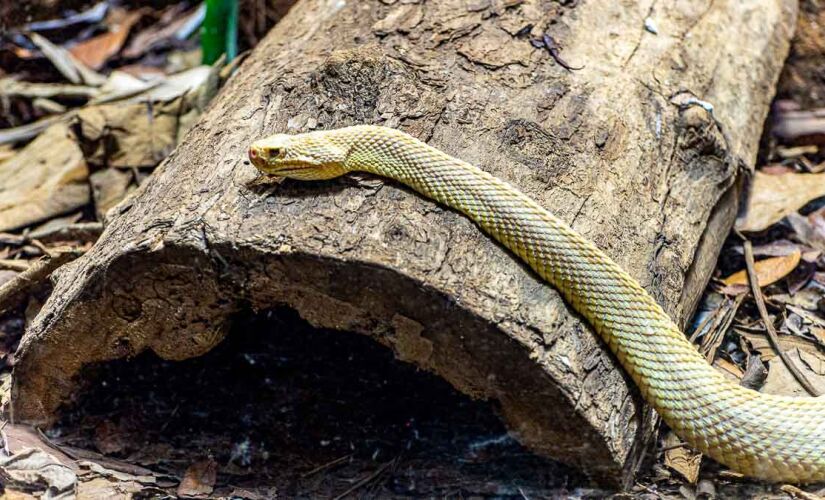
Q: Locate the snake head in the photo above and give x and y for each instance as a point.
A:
(304, 156)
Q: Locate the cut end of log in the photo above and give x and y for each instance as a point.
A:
(167, 301)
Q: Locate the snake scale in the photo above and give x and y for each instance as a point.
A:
(764, 436)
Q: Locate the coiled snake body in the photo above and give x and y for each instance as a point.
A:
(768, 437)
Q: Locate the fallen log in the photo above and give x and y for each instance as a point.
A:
(641, 150)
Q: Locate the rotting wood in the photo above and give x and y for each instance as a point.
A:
(626, 150)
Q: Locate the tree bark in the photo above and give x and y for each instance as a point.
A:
(626, 150)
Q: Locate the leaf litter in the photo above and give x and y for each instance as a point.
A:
(115, 100)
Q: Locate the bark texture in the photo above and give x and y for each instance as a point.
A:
(625, 150)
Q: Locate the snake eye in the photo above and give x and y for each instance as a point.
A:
(273, 152)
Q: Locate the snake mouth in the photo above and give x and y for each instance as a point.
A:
(283, 168)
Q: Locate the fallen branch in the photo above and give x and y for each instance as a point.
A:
(36, 273)
(763, 312)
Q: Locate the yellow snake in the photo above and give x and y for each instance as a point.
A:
(768, 437)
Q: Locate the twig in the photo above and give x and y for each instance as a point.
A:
(367, 479)
(763, 312)
(673, 447)
(31, 277)
(325, 466)
(54, 445)
(82, 231)
(14, 265)
(797, 493)
(700, 329)
(721, 328)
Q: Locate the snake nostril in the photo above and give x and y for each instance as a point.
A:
(253, 153)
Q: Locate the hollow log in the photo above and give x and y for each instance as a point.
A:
(642, 150)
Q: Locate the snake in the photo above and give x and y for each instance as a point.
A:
(768, 437)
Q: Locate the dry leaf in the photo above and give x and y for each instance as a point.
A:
(813, 361)
(95, 51)
(92, 15)
(768, 271)
(100, 487)
(199, 479)
(10, 494)
(807, 298)
(29, 130)
(18, 437)
(48, 177)
(682, 459)
(171, 22)
(773, 197)
(109, 187)
(755, 374)
(32, 469)
(110, 438)
(762, 344)
(776, 248)
(97, 468)
(728, 367)
(795, 492)
(12, 87)
(780, 381)
(125, 136)
(794, 125)
(74, 71)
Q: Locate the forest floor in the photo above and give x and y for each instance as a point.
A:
(113, 87)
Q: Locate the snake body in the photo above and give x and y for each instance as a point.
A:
(764, 436)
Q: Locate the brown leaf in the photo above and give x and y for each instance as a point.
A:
(101, 487)
(32, 469)
(172, 20)
(110, 437)
(109, 187)
(800, 276)
(768, 271)
(795, 492)
(74, 71)
(125, 136)
(788, 343)
(776, 248)
(19, 437)
(199, 479)
(682, 459)
(780, 381)
(819, 333)
(773, 197)
(728, 367)
(48, 177)
(10, 494)
(813, 361)
(95, 51)
(755, 374)
(812, 234)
